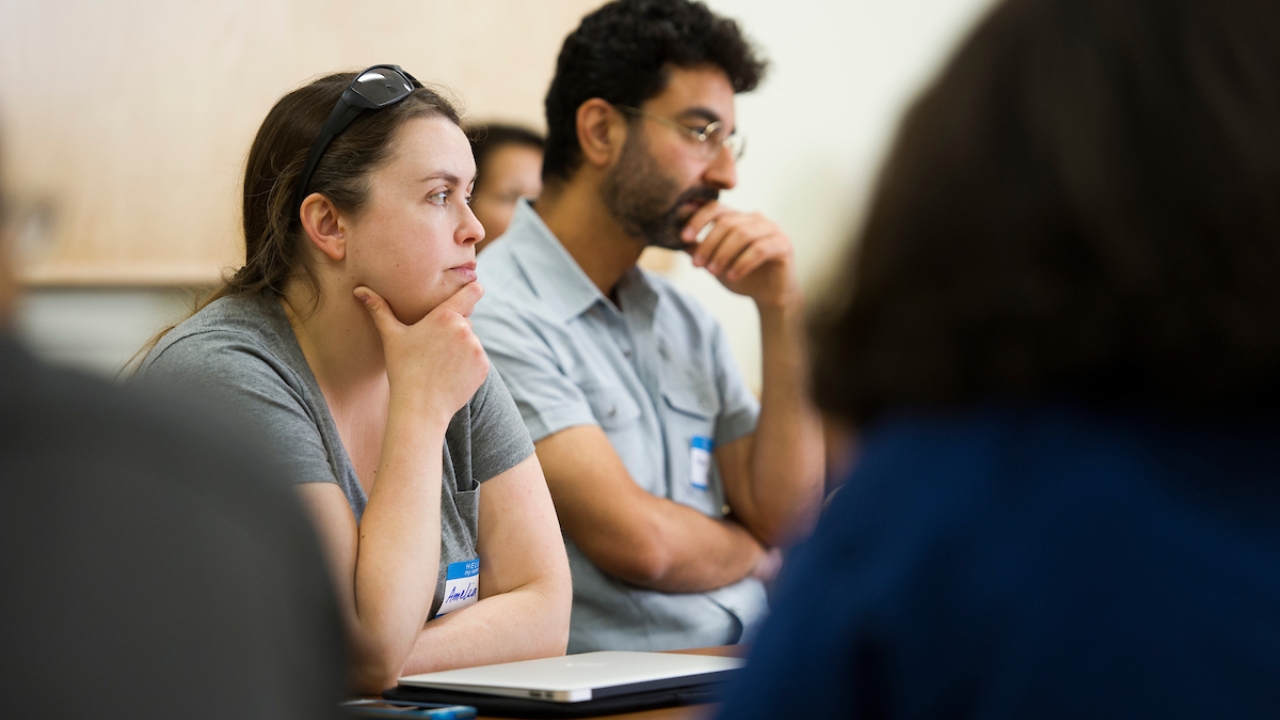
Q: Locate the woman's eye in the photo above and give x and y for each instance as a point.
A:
(439, 198)
(467, 200)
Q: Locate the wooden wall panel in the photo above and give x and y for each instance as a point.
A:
(132, 118)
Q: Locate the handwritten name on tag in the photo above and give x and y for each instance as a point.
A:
(461, 586)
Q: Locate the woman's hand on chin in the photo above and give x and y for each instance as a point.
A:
(436, 364)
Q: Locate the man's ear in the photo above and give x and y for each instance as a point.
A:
(323, 227)
(602, 131)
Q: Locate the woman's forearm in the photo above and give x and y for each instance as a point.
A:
(528, 622)
(398, 549)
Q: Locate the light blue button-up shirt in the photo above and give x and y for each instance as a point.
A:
(656, 374)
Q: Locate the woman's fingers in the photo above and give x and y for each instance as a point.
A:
(463, 301)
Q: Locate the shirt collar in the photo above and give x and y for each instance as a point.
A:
(551, 270)
(636, 293)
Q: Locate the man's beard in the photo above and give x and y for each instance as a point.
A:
(639, 196)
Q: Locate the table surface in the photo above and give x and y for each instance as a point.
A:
(685, 712)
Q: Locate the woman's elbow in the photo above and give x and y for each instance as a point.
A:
(371, 677)
(547, 606)
(553, 641)
(559, 608)
(373, 668)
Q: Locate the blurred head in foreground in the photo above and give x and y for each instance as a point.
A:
(1086, 202)
(508, 167)
(1060, 342)
(155, 565)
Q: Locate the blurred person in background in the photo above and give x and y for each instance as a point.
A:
(1060, 342)
(508, 167)
(675, 486)
(344, 340)
(155, 562)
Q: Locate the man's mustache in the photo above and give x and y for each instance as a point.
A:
(700, 194)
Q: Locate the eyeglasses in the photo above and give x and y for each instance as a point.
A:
(372, 89)
(710, 139)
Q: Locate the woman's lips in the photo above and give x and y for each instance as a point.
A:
(468, 271)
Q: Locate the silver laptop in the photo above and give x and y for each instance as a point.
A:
(579, 678)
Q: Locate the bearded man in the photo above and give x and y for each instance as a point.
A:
(674, 485)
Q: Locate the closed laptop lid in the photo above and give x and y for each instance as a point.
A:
(578, 678)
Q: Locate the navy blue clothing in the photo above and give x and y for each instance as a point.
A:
(1047, 562)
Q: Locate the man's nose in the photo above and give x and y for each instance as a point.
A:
(722, 173)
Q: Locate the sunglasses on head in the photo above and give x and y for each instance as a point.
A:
(372, 89)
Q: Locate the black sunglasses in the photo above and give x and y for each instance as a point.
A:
(372, 89)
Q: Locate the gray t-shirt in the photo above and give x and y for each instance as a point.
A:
(242, 351)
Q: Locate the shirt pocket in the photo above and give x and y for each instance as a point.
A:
(612, 406)
(621, 417)
(459, 535)
(692, 409)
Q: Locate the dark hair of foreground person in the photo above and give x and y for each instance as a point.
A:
(1086, 202)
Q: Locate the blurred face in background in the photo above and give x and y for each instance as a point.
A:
(510, 172)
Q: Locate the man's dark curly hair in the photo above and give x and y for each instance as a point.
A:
(623, 52)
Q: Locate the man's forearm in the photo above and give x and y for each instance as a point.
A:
(694, 553)
(785, 481)
(644, 540)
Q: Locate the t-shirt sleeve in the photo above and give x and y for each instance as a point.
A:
(548, 400)
(740, 409)
(251, 385)
(499, 440)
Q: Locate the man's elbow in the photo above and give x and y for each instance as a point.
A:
(645, 562)
(784, 527)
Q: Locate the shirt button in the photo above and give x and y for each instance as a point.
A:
(626, 354)
(613, 411)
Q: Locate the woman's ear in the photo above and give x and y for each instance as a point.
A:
(323, 227)
(601, 132)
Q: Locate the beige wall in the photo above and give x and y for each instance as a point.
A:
(133, 117)
(819, 125)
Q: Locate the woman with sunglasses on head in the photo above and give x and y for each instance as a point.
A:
(345, 338)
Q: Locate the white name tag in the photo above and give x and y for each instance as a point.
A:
(699, 461)
(461, 586)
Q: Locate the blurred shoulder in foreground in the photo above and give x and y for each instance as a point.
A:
(155, 565)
